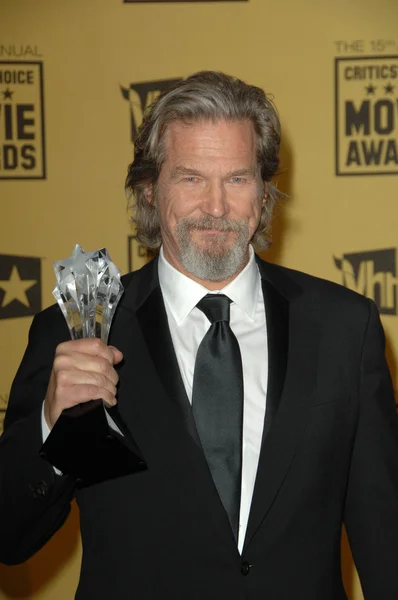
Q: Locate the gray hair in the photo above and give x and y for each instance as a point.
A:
(211, 96)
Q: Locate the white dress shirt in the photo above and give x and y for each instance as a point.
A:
(188, 325)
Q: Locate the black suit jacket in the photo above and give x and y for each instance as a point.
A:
(329, 454)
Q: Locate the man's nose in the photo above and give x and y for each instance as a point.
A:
(215, 200)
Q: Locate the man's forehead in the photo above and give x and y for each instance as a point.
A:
(237, 132)
(182, 125)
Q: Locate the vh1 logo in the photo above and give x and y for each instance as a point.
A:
(140, 96)
(373, 274)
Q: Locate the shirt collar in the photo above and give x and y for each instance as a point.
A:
(181, 293)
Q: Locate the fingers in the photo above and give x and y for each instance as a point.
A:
(83, 370)
(117, 355)
(92, 347)
(96, 384)
(76, 361)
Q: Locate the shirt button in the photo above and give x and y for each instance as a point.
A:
(245, 568)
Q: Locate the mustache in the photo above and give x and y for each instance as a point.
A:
(209, 222)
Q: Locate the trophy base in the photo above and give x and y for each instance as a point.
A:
(83, 445)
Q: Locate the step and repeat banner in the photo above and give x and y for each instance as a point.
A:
(75, 79)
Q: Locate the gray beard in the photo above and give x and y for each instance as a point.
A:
(214, 263)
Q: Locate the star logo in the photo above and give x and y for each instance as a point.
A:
(15, 288)
(389, 89)
(7, 94)
(370, 89)
(20, 286)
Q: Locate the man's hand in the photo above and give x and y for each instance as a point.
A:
(82, 371)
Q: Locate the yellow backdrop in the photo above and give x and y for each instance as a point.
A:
(71, 98)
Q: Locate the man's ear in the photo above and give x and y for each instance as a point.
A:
(149, 193)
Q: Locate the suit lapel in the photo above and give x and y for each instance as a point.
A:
(292, 333)
(152, 318)
(277, 319)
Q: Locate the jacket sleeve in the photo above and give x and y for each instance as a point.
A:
(34, 501)
(371, 511)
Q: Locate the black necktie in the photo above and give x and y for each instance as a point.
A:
(217, 403)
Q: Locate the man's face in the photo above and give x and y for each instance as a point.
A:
(209, 197)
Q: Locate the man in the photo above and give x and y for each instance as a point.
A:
(265, 411)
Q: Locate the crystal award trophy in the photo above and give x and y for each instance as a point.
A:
(88, 441)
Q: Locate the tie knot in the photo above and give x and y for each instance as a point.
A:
(215, 307)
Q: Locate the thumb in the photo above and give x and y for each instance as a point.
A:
(117, 355)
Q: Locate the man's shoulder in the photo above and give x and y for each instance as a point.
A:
(312, 286)
(50, 315)
(145, 273)
(130, 277)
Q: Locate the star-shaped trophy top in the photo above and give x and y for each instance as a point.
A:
(88, 289)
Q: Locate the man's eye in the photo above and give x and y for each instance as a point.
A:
(191, 179)
(237, 179)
